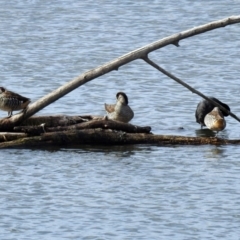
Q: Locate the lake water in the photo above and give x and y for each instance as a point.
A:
(121, 192)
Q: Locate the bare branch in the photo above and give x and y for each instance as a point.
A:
(110, 66)
(153, 64)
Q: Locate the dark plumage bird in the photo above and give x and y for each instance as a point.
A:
(205, 107)
(121, 110)
(10, 101)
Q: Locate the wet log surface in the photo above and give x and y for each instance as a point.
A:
(109, 137)
(8, 136)
(104, 124)
(61, 130)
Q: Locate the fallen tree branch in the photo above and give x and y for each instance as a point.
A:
(153, 64)
(108, 137)
(6, 136)
(104, 124)
(54, 121)
(8, 124)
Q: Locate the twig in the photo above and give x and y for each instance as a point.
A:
(153, 64)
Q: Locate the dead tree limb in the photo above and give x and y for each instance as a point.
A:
(53, 121)
(6, 136)
(104, 124)
(108, 137)
(6, 124)
(153, 64)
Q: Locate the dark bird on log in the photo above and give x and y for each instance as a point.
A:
(205, 107)
(215, 120)
(10, 101)
(120, 111)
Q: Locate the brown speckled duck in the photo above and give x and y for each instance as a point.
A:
(120, 111)
(204, 107)
(215, 120)
(10, 101)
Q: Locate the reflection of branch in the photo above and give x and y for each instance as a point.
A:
(153, 64)
(110, 66)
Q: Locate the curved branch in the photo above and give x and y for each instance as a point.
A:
(110, 66)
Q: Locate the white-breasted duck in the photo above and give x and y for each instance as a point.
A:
(215, 120)
(121, 110)
(205, 107)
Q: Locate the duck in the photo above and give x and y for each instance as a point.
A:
(215, 120)
(11, 101)
(120, 111)
(204, 107)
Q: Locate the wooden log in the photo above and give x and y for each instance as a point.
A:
(104, 124)
(58, 120)
(141, 53)
(51, 121)
(6, 136)
(35, 123)
(109, 137)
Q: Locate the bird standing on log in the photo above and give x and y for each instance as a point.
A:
(10, 101)
(120, 111)
(216, 115)
(215, 120)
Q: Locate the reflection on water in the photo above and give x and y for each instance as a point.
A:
(216, 153)
(205, 132)
(118, 151)
(209, 133)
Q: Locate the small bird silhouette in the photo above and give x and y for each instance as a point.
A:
(10, 101)
(205, 107)
(119, 111)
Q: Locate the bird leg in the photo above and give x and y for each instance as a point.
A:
(9, 114)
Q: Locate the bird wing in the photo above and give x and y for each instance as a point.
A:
(15, 95)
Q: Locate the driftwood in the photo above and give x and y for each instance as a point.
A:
(108, 137)
(53, 121)
(77, 130)
(104, 124)
(141, 53)
(58, 120)
(94, 132)
(6, 136)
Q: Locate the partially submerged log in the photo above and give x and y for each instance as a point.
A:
(104, 124)
(98, 136)
(58, 120)
(94, 130)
